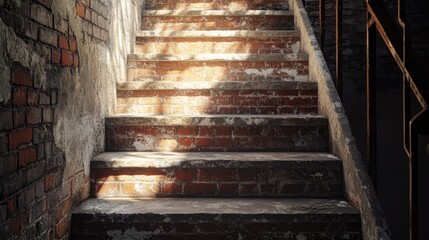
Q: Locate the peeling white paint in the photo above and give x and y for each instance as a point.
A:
(259, 72)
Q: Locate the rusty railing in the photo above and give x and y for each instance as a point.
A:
(378, 21)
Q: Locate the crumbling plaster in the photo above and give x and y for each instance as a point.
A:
(85, 94)
(88, 94)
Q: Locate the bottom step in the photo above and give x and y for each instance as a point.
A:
(215, 218)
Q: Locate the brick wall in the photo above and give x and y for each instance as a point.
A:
(36, 194)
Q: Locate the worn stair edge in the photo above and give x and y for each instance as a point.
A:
(216, 120)
(219, 57)
(207, 160)
(210, 85)
(219, 34)
(160, 207)
(173, 13)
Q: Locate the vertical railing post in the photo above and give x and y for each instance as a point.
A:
(322, 23)
(371, 113)
(339, 46)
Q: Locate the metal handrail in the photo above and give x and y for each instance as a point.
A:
(378, 21)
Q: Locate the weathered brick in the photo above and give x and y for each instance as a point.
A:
(61, 25)
(6, 120)
(32, 98)
(18, 118)
(21, 76)
(44, 99)
(80, 10)
(10, 163)
(31, 30)
(20, 136)
(27, 156)
(48, 36)
(47, 115)
(88, 15)
(41, 15)
(34, 116)
(19, 97)
(73, 46)
(63, 42)
(34, 172)
(42, 134)
(38, 209)
(11, 206)
(3, 143)
(56, 56)
(62, 227)
(66, 59)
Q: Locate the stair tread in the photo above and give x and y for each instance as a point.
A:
(156, 13)
(219, 57)
(217, 120)
(216, 206)
(226, 33)
(229, 159)
(203, 85)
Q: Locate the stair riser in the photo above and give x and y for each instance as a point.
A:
(181, 23)
(216, 138)
(216, 5)
(156, 45)
(217, 101)
(218, 71)
(216, 227)
(288, 179)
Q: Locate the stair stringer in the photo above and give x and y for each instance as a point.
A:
(358, 187)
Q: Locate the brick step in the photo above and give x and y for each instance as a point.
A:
(208, 218)
(217, 98)
(216, 133)
(218, 67)
(267, 174)
(203, 42)
(161, 20)
(215, 5)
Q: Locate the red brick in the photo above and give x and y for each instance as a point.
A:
(19, 97)
(32, 98)
(80, 10)
(73, 46)
(171, 188)
(203, 142)
(21, 76)
(66, 59)
(62, 227)
(200, 188)
(55, 56)
(63, 42)
(187, 131)
(6, 120)
(19, 137)
(186, 142)
(34, 116)
(186, 174)
(228, 189)
(18, 118)
(10, 163)
(223, 142)
(27, 156)
(49, 182)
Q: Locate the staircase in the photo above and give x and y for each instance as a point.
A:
(217, 133)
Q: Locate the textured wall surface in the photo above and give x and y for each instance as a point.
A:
(59, 62)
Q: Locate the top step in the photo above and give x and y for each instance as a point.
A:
(215, 5)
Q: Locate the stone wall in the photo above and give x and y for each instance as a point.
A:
(59, 63)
